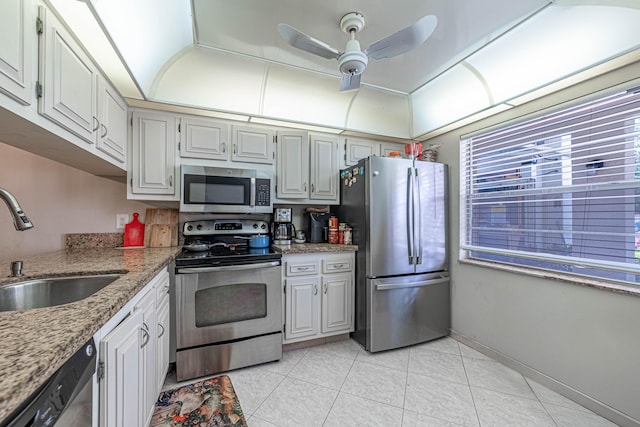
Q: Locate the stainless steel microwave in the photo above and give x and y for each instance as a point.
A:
(225, 190)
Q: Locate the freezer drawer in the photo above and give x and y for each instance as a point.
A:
(407, 310)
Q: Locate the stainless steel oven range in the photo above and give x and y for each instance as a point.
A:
(228, 298)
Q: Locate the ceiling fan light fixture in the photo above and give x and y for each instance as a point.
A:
(353, 61)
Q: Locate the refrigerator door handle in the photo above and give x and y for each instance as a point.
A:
(418, 230)
(410, 217)
(392, 286)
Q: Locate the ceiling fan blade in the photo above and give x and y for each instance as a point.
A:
(307, 43)
(404, 40)
(350, 82)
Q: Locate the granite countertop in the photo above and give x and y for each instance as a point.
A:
(306, 248)
(35, 343)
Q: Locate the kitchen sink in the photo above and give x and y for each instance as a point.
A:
(49, 292)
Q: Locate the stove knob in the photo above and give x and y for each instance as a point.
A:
(255, 225)
(189, 227)
(263, 226)
(199, 226)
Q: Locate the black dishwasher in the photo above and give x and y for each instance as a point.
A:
(66, 397)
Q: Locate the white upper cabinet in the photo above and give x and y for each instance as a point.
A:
(153, 169)
(356, 149)
(253, 144)
(203, 138)
(307, 168)
(324, 168)
(292, 178)
(69, 80)
(17, 36)
(112, 113)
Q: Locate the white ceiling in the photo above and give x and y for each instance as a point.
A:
(226, 57)
(249, 28)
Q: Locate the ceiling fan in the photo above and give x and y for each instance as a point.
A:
(353, 61)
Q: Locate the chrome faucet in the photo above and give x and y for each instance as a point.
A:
(20, 220)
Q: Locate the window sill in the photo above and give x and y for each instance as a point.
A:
(549, 275)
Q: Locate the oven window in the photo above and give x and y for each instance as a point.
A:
(230, 303)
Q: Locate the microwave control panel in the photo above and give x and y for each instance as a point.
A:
(263, 192)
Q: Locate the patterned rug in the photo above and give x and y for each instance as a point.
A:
(210, 403)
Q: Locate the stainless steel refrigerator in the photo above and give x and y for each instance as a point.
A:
(397, 209)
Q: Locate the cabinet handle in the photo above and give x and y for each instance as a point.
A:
(336, 266)
(105, 131)
(315, 289)
(161, 330)
(145, 335)
(96, 123)
(325, 288)
(305, 186)
(302, 268)
(166, 289)
(170, 180)
(235, 148)
(313, 188)
(224, 147)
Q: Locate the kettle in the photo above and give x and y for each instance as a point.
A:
(283, 232)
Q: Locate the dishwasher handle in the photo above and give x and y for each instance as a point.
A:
(194, 270)
(392, 286)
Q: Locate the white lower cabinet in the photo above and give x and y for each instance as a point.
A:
(319, 295)
(134, 358)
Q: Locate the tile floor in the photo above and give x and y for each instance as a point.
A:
(442, 383)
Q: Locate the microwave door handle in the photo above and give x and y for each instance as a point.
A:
(253, 192)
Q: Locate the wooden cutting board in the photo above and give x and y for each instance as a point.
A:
(161, 228)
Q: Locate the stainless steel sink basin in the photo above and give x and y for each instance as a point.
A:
(48, 292)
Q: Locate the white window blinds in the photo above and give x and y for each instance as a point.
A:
(558, 192)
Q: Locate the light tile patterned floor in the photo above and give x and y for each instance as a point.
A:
(442, 383)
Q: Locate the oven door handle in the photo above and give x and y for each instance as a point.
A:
(192, 270)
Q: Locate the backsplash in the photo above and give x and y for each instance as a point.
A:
(93, 240)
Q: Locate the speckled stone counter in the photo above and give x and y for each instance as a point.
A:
(306, 248)
(35, 343)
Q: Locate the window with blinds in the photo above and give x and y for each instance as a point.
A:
(558, 192)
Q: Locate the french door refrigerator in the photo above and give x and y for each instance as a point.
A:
(397, 209)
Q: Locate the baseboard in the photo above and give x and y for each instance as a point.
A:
(590, 403)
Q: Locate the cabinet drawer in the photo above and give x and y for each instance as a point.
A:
(302, 268)
(336, 265)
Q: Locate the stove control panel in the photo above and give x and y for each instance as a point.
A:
(221, 226)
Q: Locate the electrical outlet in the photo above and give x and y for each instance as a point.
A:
(121, 220)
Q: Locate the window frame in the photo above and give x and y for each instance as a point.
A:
(467, 176)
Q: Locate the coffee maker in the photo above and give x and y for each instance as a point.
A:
(282, 229)
(318, 223)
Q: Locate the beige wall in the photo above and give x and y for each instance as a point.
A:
(579, 340)
(58, 199)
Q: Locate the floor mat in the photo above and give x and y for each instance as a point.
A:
(210, 403)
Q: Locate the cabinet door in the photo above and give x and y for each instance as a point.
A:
(162, 309)
(336, 302)
(69, 80)
(324, 168)
(356, 149)
(123, 373)
(148, 348)
(292, 176)
(112, 112)
(204, 139)
(18, 41)
(253, 145)
(301, 307)
(154, 154)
